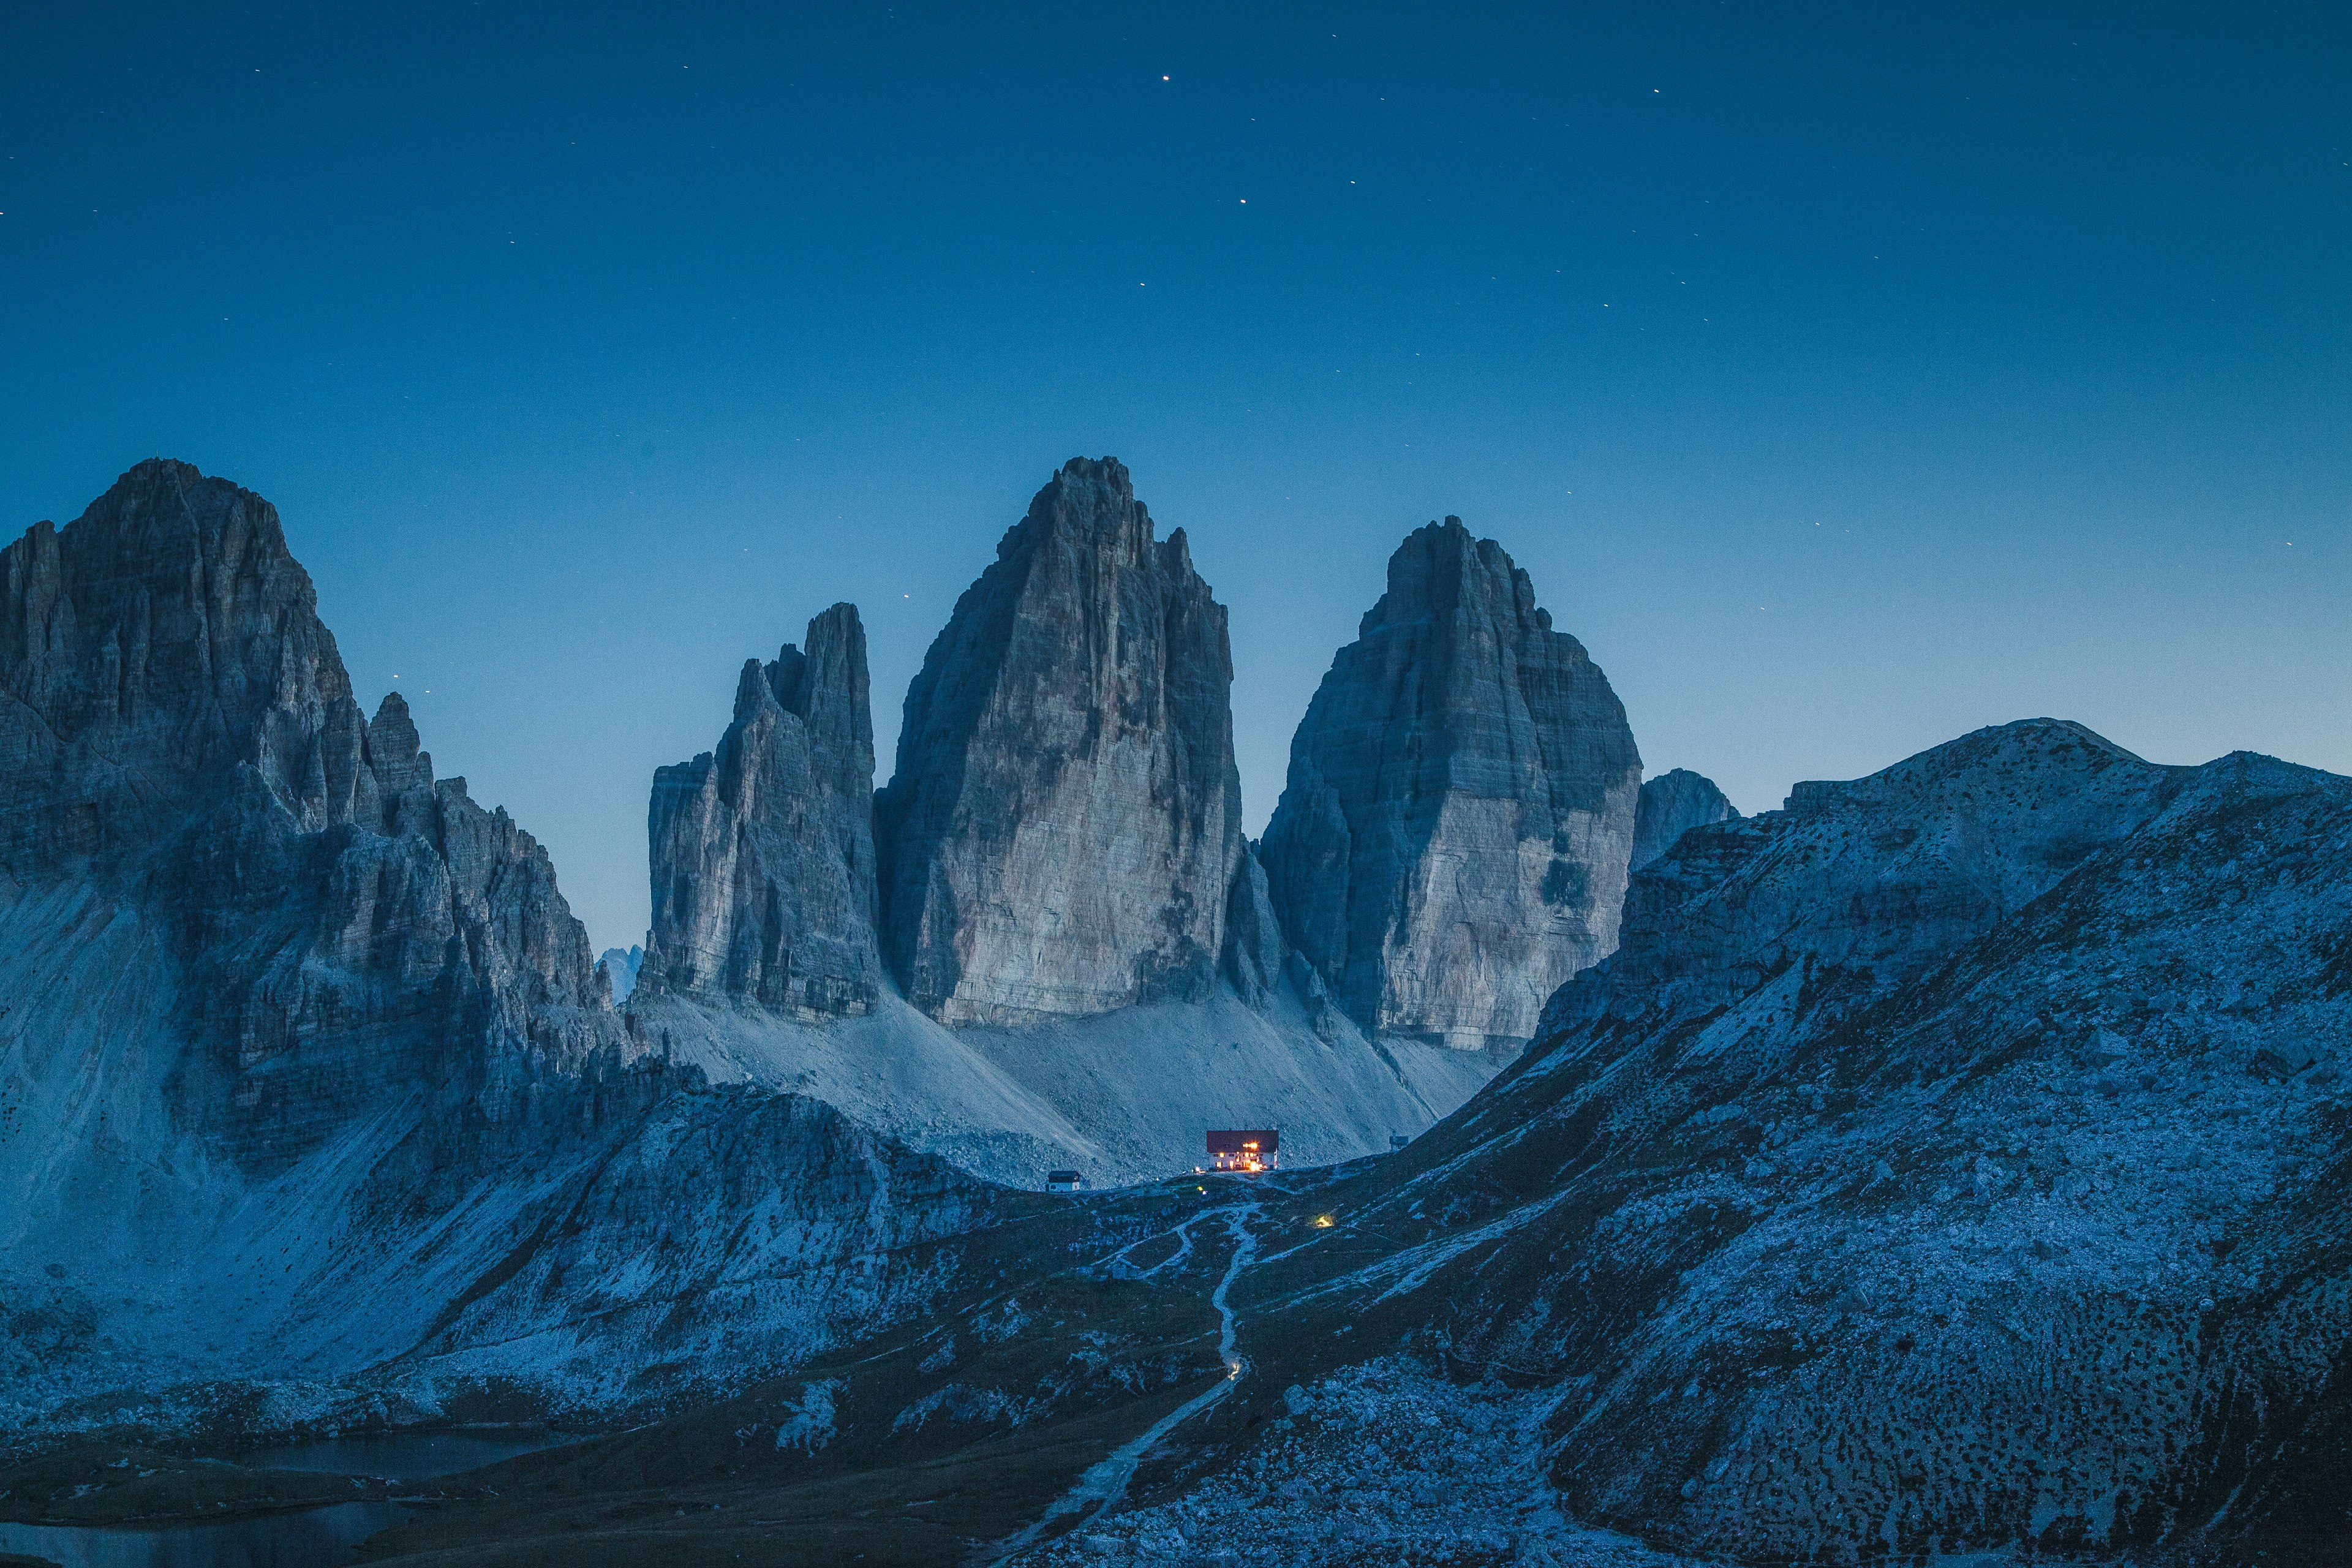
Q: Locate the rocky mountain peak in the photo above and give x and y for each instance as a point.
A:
(394, 748)
(762, 852)
(162, 637)
(1884, 875)
(1453, 839)
(1444, 572)
(1089, 497)
(1063, 828)
(180, 730)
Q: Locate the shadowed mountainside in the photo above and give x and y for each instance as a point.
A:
(314, 1109)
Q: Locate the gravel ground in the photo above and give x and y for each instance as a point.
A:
(1385, 1463)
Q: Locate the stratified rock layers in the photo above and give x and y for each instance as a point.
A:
(1672, 805)
(1453, 840)
(762, 852)
(1064, 827)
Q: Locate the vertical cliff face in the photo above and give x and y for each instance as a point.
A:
(1064, 827)
(178, 733)
(1453, 840)
(762, 852)
(1671, 805)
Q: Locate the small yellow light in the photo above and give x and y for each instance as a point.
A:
(1322, 1222)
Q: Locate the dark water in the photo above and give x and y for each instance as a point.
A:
(400, 1456)
(312, 1538)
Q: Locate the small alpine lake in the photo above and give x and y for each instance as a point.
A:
(291, 1538)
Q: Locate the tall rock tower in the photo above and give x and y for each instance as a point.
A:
(1453, 839)
(762, 852)
(1064, 827)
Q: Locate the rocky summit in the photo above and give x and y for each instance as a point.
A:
(1672, 805)
(1453, 839)
(762, 851)
(1064, 827)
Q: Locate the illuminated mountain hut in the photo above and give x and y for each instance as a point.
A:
(1244, 1149)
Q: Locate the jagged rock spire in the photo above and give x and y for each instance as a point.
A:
(762, 852)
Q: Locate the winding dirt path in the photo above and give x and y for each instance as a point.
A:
(1105, 1482)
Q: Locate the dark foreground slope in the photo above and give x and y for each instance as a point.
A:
(1953, 1160)
(1955, 1157)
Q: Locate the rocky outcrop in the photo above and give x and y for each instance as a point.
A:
(177, 728)
(1254, 951)
(1061, 833)
(762, 852)
(1671, 805)
(1881, 876)
(1453, 839)
(162, 650)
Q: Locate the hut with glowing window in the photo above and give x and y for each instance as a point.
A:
(1244, 1149)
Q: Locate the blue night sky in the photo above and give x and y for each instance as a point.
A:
(1845, 377)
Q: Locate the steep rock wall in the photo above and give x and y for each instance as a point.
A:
(1453, 839)
(762, 852)
(1064, 827)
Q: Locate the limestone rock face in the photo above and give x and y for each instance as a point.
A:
(1064, 827)
(1671, 805)
(1453, 840)
(158, 647)
(177, 730)
(762, 852)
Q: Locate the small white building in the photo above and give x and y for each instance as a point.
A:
(1064, 1181)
